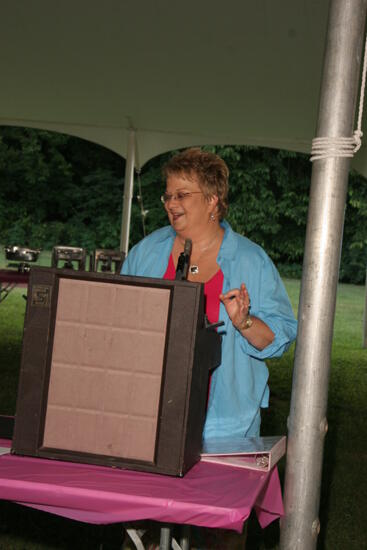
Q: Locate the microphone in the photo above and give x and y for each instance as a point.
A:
(184, 262)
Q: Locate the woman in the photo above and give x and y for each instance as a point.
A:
(242, 287)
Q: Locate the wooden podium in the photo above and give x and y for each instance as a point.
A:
(114, 370)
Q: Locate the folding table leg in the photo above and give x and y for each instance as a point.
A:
(167, 541)
(135, 535)
(5, 290)
(185, 537)
(166, 536)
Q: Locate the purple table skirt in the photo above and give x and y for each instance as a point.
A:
(210, 495)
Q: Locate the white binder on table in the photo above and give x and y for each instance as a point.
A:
(254, 453)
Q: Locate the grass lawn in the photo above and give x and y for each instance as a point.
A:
(343, 508)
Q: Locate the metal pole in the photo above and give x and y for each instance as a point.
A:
(128, 192)
(365, 316)
(307, 422)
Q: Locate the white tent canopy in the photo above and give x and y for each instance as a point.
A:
(191, 73)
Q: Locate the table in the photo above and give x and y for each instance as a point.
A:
(210, 495)
(9, 279)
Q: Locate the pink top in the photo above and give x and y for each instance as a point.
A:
(212, 289)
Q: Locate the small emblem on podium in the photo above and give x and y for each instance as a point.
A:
(41, 295)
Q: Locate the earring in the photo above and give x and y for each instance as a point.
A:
(212, 217)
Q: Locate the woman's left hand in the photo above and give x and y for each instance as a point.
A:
(237, 304)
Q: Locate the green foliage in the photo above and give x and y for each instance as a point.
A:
(57, 189)
(354, 253)
(147, 198)
(269, 198)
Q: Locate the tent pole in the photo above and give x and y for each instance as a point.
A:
(128, 192)
(307, 424)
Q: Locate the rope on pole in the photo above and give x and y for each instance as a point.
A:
(347, 147)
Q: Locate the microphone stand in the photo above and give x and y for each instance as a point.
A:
(184, 262)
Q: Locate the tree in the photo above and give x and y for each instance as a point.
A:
(57, 189)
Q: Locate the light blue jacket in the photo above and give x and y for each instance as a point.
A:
(239, 385)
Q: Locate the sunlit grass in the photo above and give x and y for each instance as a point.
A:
(343, 505)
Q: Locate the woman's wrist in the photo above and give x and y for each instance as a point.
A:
(245, 324)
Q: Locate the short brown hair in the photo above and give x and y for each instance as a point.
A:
(210, 170)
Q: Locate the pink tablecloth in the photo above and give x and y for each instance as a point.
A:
(209, 495)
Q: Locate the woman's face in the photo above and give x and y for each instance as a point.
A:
(188, 209)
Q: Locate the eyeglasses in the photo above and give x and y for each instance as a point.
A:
(180, 196)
